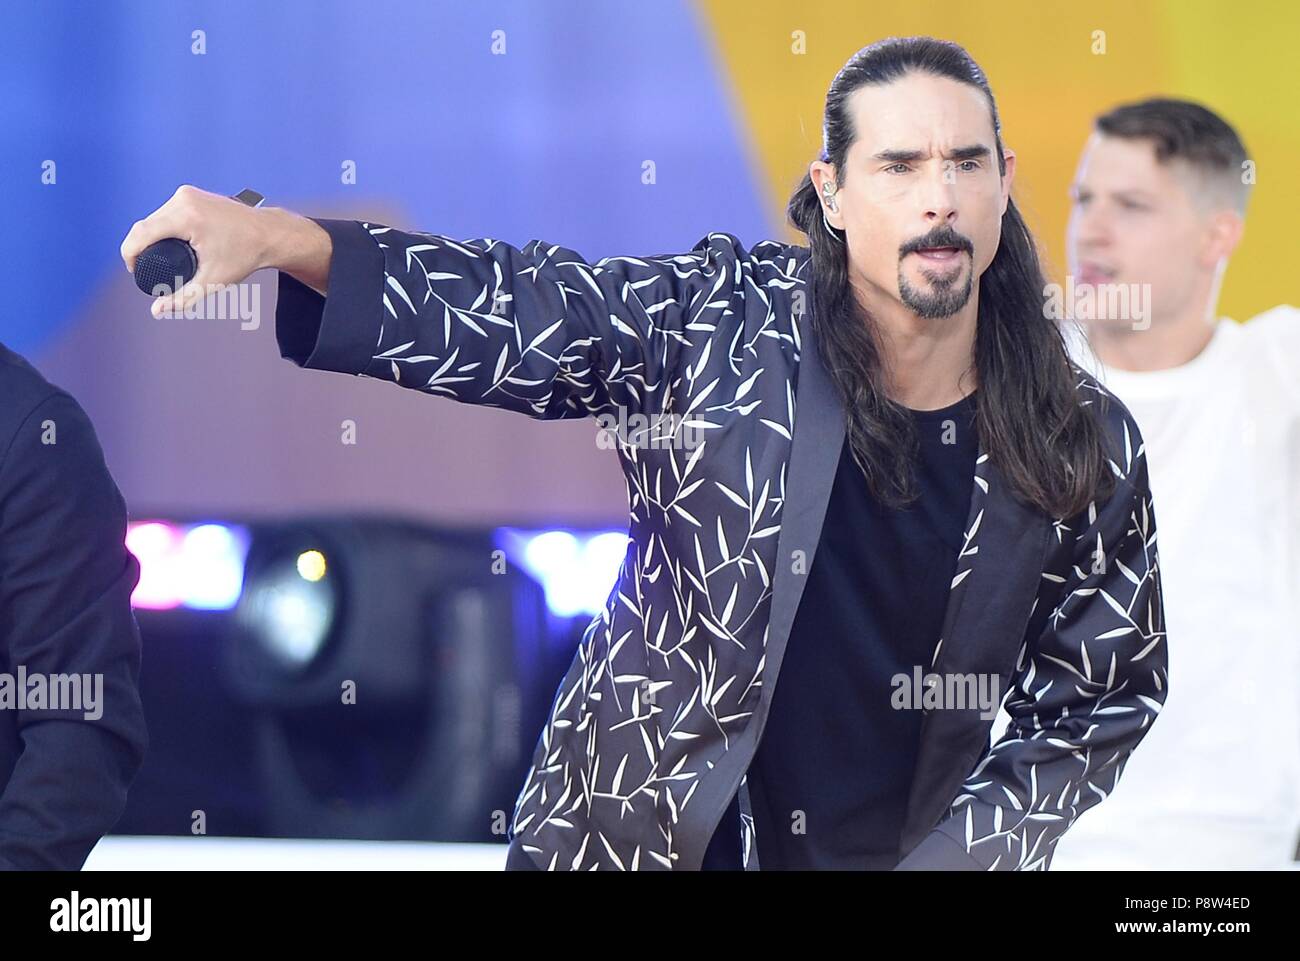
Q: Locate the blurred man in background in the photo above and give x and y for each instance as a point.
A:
(1158, 207)
(72, 729)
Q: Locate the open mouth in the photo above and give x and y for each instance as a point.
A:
(939, 254)
(1095, 274)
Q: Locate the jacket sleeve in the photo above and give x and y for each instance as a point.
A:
(1084, 694)
(65, 596)
(536, 330)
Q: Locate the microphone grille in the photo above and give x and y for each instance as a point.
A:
(159, 264)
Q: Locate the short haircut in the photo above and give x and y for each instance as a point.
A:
(1189, 132)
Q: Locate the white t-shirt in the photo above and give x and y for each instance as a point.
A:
(1216, 781)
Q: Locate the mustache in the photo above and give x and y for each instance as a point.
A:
(943, 236)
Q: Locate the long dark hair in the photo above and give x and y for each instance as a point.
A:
(1048, 446)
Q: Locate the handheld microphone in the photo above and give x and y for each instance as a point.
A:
(162, 262)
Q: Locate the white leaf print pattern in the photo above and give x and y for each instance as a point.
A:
(670, 672)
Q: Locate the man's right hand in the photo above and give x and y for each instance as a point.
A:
(231, 240)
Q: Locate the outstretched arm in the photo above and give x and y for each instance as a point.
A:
(537, 330)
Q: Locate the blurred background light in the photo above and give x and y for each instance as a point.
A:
(577, 569)
(197, 566)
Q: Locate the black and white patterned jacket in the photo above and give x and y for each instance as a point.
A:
(655, 723)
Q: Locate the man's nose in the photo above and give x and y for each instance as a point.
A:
(1090, 227)
(940, 198)
(940, 208)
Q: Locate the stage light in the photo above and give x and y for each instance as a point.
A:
(198, 566)
(212, 566)
(156, 546)
(553, 558)
(311, 565)
(395, 678)
(576, 569)
(375, 678)
(289, 607)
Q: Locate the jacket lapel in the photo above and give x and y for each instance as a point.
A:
(990, 602)
(815, 453)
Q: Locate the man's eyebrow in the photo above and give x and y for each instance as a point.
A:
(971, 152)
(1128, 193)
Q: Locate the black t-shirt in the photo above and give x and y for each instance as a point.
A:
(830, 780)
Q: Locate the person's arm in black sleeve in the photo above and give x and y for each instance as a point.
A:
(537, 329)
(66, 579)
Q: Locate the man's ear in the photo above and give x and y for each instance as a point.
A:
(1010, 157)
(1223, 235)
(822, 173)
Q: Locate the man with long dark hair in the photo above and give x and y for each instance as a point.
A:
(908, 504)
